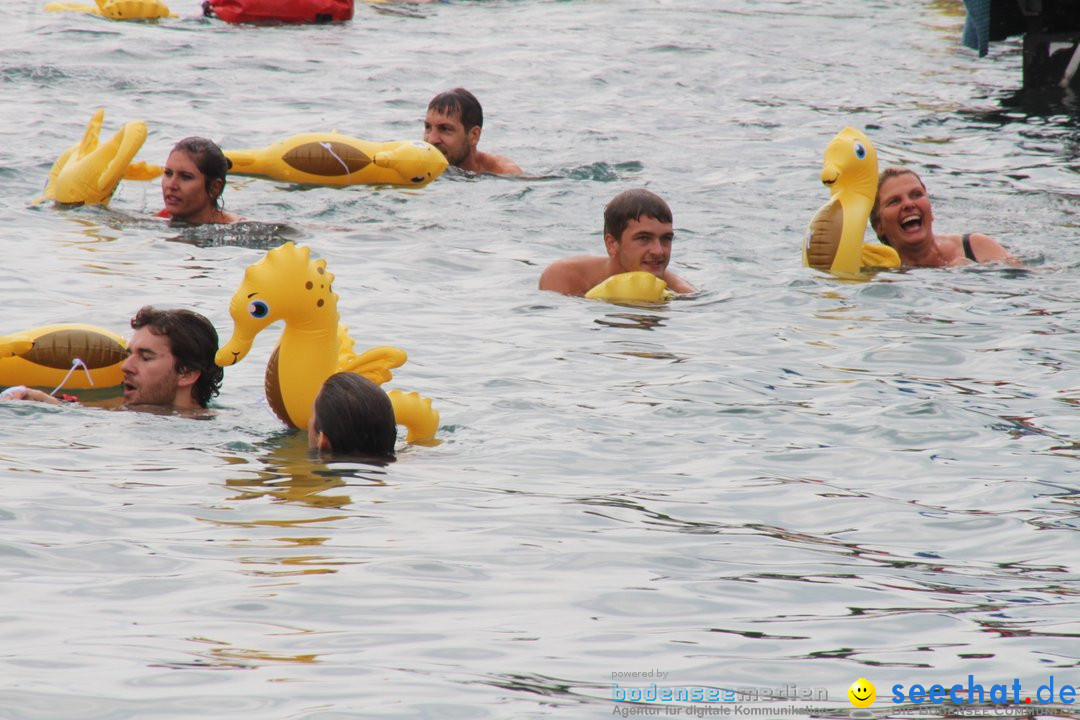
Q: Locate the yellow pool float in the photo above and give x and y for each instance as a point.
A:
(44, 357)
(117, 9)
(336, 159)
(286, 284)
(834, 237)
(87, 173)
(635, 286)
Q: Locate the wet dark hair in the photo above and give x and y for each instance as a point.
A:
(462, 102)
(211, 162)
(886, 174)
(193, 342)
(356, 417)
(631, 205)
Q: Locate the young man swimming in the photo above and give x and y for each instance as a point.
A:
(638, 235)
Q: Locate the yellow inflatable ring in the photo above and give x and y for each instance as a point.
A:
(286, 284)
(336, 159)
(88, 173)
(834, 237)
(44, 356)
(636, 286)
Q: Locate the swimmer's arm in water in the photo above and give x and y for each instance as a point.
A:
(677, 284)
(21, 392)
(988, 250)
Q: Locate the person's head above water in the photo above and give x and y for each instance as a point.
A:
(353, 416)
(903, 218)
(894, 198)
(193, 181)
(647, 245)
(171, 360)
(638, 235)
(453, 124)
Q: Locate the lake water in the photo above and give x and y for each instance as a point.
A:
(784, 481)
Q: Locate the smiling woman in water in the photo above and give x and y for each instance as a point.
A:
(903, 219)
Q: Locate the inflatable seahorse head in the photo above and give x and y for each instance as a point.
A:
(851, 164)
(285, 285)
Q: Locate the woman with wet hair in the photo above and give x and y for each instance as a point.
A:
(903, 218)
(193, 181)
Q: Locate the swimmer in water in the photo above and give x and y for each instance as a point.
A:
(193, 181)
(638, 235)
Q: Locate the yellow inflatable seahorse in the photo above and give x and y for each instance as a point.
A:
(286, 284)
(88, 173)
(834, 238)
(117, 9)
(336, 159)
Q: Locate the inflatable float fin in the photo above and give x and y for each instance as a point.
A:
(416, 414)
(142, 171)
(375, 364)
(879, 256)
(636, 286)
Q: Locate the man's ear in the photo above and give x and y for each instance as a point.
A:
(474, 135)
(612, 244)
(188, 378)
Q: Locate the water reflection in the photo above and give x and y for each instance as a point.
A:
(631, 321)
(290, 474)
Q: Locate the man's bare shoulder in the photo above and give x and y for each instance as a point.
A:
(573, 275)
(498, 165)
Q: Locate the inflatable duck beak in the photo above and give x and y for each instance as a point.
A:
(830, 174)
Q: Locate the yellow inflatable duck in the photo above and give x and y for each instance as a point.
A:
(286, 284)
(834, 238)
(117, 9)
(44, 356)
(87, 173)
(636, 286)
(336, 159)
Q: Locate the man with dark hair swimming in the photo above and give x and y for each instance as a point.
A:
(453, 124)
(170, 363)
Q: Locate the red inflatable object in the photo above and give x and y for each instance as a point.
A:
(290, 11)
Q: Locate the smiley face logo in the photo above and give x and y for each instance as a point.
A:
(862, 693)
